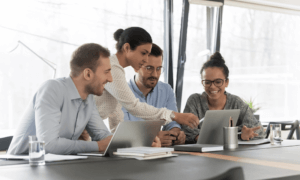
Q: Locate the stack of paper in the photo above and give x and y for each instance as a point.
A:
(144, 153)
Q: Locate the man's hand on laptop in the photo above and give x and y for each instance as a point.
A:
(180, 138)
(188, 119)
(248, 133)
(104, 143)
(156, 142)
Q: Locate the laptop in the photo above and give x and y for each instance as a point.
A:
(211, 134)
(131, 134)
(213, 123)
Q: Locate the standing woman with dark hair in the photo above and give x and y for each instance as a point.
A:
(214, 75)
(133, 48)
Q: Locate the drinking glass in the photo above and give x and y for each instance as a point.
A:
(36, 151)
(275, 129)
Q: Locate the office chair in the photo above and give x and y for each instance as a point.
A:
(294, 127)
(5, 142)
(232, 174)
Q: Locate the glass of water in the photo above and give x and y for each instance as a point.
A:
(276, 130)
(36, 151)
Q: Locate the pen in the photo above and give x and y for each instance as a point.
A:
(230, 122)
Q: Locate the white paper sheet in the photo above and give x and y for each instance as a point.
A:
(55, 157)
(255, 142)
(48, 157)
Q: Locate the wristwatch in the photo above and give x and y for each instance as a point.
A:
(172, 115)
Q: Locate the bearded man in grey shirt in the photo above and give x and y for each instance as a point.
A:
(214, 74)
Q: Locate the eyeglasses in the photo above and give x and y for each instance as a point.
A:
(217, 82)
(150, 69)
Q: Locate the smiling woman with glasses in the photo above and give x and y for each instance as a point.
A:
(214, 74)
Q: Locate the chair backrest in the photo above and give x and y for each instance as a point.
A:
(5, 142)
(294, 127)
(232, 174)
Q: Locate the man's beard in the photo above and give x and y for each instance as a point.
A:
(93, 89)
(150, 85)
(89, 89)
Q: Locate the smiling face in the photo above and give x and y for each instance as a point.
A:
(145, 76)
(101, 76)
(212, 74)
(138, 57)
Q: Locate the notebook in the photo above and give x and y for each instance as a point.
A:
(144, 150)
(144, 153)
(198, 147)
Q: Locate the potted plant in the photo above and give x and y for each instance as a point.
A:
(254, 107)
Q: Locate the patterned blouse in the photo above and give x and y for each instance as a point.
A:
(117, 94)
(198, 105)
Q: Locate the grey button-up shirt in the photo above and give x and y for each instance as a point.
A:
(198, 105)
(58, 115)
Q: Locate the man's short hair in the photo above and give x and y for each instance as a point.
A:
(156, 51)
(86, 56)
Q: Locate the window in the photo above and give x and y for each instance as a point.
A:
(260, 49)
(195, 45)
(53, 30)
